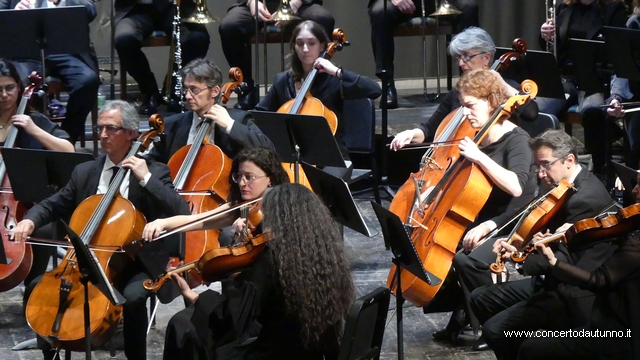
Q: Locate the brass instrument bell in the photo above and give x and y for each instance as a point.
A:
(284, 12)
(446, 9)
(201, 15)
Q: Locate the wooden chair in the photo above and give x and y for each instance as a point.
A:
(413, 27)
(157, 38)
(54, 88)
(572, 117)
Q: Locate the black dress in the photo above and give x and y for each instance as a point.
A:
(248, 321)
(26, 141)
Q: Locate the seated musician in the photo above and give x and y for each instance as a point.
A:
(473, 49)
(149, 188)
(615, 309)
(583, 19)
(232, 130)
(35, 131)
(271, 300)
(555, 156)
(332, 84)
(238, 26)
(253, 171)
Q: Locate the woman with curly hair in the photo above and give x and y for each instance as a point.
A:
(290, 304)
(253, 171)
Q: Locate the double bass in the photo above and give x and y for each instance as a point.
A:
(19, 256)
(203, 168)
(55, 307)
(408, 203)
(451, 207)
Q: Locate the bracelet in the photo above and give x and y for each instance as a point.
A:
(340, 70)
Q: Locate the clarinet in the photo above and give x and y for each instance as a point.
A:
(175, 60)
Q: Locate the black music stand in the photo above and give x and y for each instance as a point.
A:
(335, 194)
(404, 256)
(37, 174)
(623, 46)
(91, 273)
(590, 65)
(300, 138)
(539, 66)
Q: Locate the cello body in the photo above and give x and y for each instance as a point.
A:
(122, 223)
(19, 255)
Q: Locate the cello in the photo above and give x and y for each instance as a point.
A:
(204, 168)
(452, 206)
(305, 104)
(55, 307)
(19, 256)
(408, 203)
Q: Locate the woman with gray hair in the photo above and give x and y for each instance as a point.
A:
(473, 49)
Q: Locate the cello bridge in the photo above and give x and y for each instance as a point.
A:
(432, 164)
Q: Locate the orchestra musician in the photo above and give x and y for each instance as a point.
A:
(399, 11)
(504, 157)
(474, 49)
(270, 300)
(35, 131)
(233, 129)
(332, 84)
(149, 188)
(78, 72)
(616, 286)
(136, 20)
(583, 19)
(253, 171)
(238, 26)
(555, 157)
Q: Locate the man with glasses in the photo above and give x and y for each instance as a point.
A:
(542, 302)
(147, 185)
(231, 130)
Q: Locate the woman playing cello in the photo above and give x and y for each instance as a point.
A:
(253, 171)
(271, 300)
(331, 86)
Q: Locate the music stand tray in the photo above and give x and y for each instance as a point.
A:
(539, 66)
(37, 174)
(310, 133)
(588, 57)
(623, 46)
(54, 31)
(337, 197)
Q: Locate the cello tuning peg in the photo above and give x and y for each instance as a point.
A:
(346, 43)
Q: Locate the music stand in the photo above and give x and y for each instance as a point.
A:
(54, 170)
(590, 60)
(300, 138)
(91, 273)
(335, 194)
(539, 66)
(404, 256)
(623, 46)
(627, 176)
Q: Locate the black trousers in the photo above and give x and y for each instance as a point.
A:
(138, 24)
(81, 81)
(486, 301)
(238, 26)
(382, 28)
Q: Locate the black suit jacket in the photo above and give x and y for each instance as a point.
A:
(244, 134)
(157, 199)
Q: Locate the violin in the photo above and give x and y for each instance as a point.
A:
(304, 103)
(590, 230)
(202, 168)
(538, 214)
(19, 255)
(408, 203)
(55, 308)
(452, 205)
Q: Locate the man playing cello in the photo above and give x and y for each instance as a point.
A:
(149, 188)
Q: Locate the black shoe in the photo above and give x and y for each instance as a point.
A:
(392, 96)
(149, 106)
(249, 99)
(445, 335)
(480, 345)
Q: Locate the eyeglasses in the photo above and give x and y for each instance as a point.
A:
(111, 129)
(193, 90)
(8, 88)
(248, 178)
(546, 165)
(467, 57)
